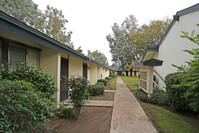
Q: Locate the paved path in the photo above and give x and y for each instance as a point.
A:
(128, 116)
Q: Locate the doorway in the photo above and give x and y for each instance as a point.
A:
(64, 76)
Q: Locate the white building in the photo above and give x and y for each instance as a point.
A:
(157, 60)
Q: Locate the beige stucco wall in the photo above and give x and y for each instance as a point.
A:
(75, 67)
(171, 48)
(93, 73)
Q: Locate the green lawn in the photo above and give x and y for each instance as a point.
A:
(132, 86)
(131, 82)
(113, 83)
(169, 122)
(130, 79)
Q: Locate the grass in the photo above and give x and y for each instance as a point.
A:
(131, 82)
(169, 122)
(132, 87)
(113, 83)
(130, 79)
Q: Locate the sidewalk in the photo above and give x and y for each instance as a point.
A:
(128, 116)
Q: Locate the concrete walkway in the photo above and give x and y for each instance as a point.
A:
(128, 116)
(93, 103)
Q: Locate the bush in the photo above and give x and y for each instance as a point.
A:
(113, 75)
(65, 112)
(97, 89)
(103, 81)
(22, 108)
(87, 95)
(108, 78)
(77, 90)
(42, 82)
(158, 97)
(177, 98)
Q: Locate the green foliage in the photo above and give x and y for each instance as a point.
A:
(127, 42)
(98, 56)
(87, 95)
(190, 79)
(103, 81)
(108, 78)
(50, 22)
(65, 112)
(113, 75)
(77, 93)
(42, 82)
(113, 83)
(23, 109)
(97, 89)
(158, 97)
(55, 26)
(169, 122)
(177, 98)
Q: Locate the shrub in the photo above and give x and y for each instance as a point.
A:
(158, 97)
(65, 112)
(22, 108)
(103, 81)
(87, 95)
(113, 75)
(77, 90)
(42, 82)
(97, 89)
(177, 98)
(108, 78)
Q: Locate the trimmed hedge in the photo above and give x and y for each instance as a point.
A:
(113, 75)
(103, 81)
(177, 98)
(96, 90)
(108, 78)
(158, 97)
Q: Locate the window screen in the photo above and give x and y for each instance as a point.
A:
(33, 58)
(17, 55)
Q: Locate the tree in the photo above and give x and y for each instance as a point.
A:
(127, 42)
(79, 50)
(121, 42)
(98, 56)
(149, 34)
(55, 26)
(24, 10)
(51, 22)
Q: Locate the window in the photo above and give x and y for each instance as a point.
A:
(33, 58)
(17, 55)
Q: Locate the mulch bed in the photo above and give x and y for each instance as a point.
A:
(91, 120)
(108, 96)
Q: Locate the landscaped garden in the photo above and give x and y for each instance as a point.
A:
(28, 102)
(160, 113)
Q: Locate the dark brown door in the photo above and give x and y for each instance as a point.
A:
(85, 70)
(64, 76)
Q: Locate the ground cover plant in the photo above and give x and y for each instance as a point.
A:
(169, 122)
(113, 83)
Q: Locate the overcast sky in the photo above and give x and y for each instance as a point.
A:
(91, 20)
